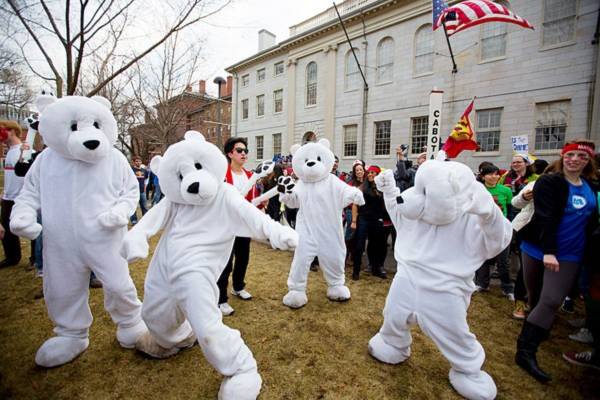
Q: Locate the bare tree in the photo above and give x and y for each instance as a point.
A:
(67, 32)
(162, 92)
(15, 93)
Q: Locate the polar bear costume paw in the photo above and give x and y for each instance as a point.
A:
(479, 386)
(128, 336)
(242, 386)
(147, 344)
(60, 350)
(295, 299)
(338, 293)
(385, 353)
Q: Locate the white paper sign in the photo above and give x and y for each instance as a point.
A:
(435, 121)
(520, 144)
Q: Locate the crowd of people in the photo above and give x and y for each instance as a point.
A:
(551, 262)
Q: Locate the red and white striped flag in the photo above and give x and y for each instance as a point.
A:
(474, 12)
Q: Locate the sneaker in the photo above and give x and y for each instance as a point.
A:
(510, 296)
(584, 359)
(582, 336)
(568, 306)
(39, 273)
(479, 289)
(242, 294)
(226, 309)
(519, 312)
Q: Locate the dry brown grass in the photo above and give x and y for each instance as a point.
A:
(317, 352)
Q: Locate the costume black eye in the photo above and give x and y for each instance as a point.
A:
(306, 160)
(318, 158)
(198, 166)
(74, 126)
(180, 177)
(96, 125)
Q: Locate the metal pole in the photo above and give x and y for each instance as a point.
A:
(351, 47)
(454, 68)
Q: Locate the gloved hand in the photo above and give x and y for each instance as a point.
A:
(25, 225)
(480, 201)
(285, 184)
(134, 247)
(386, 183)
(284, 238)
(113, 219)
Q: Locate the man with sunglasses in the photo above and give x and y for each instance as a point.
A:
(236, 151)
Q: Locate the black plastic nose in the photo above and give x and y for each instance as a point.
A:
(310, 163)
(91, 144)
(194, 188)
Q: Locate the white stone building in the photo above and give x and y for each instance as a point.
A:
(542, 83)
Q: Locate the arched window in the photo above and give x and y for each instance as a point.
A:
(352, 80)
(311, 84)
(493, 38)
(424, 50)
(385, 60)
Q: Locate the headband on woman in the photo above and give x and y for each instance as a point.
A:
(577, 147)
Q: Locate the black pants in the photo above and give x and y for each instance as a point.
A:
(239, 262)
(547, 289)
(290, 216)
(376, 246)
(10, 243)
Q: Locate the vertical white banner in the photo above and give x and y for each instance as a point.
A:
(435, 122)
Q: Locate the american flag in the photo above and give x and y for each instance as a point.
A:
(473, 12)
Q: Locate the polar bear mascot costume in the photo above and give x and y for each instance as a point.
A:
(86, 191)
(200, 215)
(448, 225)
(321, 197)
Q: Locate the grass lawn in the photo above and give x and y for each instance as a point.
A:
(317, 352)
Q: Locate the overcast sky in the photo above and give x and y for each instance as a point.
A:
(232, 35)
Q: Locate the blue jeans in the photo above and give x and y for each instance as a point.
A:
(134, 218)
(37, 248)
(157, 194)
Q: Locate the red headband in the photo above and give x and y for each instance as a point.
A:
(577, 147)
(374, 168)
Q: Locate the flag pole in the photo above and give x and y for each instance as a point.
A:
(454, 68)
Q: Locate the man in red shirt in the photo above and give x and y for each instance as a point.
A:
(236, 151)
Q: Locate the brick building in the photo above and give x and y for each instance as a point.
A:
(190, 110)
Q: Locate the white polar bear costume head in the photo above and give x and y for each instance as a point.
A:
(191, 171)
(76, 127)
(313, 161)
(441, 190)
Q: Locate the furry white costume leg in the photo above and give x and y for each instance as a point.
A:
(332, 265)
(298, 276)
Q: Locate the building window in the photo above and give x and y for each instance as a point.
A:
(493, 40)
(385, 60)
(260, 142)
(424, 50)
(559, 22)
(279, 68)
(245, 109)
(352, 80)
(245, 80)
(488, 129)
(260, 105)
(551, 124)
(276, 144)
(419, 127)
(278, 101)
(311, 84)
(382, 138)
(260, 75)
(350, 140)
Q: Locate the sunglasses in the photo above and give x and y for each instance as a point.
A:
(239, 150)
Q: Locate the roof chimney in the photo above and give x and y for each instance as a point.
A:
(202, 87)
(265, 39)
(229, 87)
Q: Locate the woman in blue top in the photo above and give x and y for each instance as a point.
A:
(554, 243)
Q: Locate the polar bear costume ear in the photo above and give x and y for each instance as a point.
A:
(102, 100)
(194, 135)
(155, 163)
(43, 100)
(294, 148)
(325, 142)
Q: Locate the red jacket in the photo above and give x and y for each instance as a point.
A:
(229, 179)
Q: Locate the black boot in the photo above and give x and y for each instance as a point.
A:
(378, 272)
(527, 344)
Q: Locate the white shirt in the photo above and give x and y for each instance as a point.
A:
(12, 182)
(239, 180)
